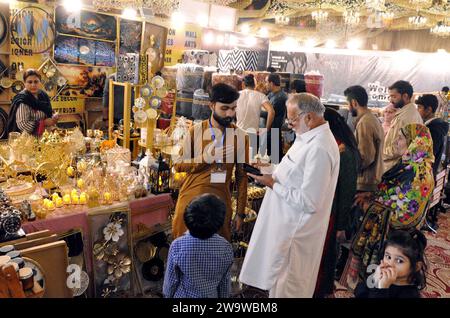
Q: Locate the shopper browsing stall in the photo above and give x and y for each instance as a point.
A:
(340, 218)
(287, 242)
(31, 111)
(400, 202)
(427, 105)
(199, 262)
(210, 152)
(369, 137)
(249, 107)
(400, 94)
(278, 100)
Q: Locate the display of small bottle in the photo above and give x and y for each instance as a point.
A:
(26, 276)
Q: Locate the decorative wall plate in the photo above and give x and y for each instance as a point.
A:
(6, 82)
(157, 82)
(17, 87)
(155, 102)
(61, 81)
(151, 113)
(140, 117)
(161, 92)
(146, 91)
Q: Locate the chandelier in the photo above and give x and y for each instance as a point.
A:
(417, 21)
(441, 29)
(163, 7)
(376, 4)
(421, 3)
(351, 17)
(279, 19)
(319, 16)
(387, 15)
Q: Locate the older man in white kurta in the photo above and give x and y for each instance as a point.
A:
(287, 242)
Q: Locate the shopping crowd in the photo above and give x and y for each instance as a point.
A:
(366, 188)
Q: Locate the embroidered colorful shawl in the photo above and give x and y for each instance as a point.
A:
(407, 187)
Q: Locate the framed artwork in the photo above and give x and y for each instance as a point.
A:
(110, 230)
(154, 46)
(84, 81)
(73, 50)
(86, 24)
(130, 36)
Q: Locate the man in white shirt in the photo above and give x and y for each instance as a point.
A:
(249, 106)
(287, 242)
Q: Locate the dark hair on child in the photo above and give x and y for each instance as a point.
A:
(412, 244)
(205, 215)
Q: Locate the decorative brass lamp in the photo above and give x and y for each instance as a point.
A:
(160, 176)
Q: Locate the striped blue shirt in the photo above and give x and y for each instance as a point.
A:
(198, 268)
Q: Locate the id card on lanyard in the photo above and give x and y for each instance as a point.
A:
(218, 173)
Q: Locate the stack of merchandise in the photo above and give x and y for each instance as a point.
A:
(189, 79)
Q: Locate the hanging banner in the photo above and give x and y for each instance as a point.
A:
(374, 71)
(184, 38)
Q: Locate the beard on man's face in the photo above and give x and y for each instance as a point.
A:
(223, 121)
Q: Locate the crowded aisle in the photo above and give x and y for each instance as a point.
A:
(224, 149)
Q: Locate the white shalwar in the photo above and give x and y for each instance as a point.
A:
(286, 246)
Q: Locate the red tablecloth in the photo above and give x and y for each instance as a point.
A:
(148, 211)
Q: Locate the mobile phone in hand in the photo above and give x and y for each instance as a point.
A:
(250, 169)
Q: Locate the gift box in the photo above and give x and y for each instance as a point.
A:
(116, 155)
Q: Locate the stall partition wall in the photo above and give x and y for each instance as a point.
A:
(427, 72)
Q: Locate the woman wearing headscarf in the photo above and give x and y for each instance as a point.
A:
(340, 218)
(31, 111)
(388, 116)
(399, 203)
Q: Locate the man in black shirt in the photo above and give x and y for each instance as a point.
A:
(278, 100)
(427, 105)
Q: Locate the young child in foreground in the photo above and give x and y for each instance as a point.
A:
(199, 262)
(402, 271)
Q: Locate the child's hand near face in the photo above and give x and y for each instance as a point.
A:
(388, 277)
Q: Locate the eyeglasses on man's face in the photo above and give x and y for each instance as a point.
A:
(291, 122)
